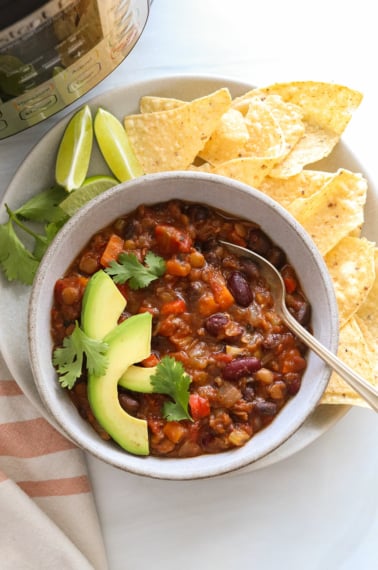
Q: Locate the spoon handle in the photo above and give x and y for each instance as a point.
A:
(357, 382)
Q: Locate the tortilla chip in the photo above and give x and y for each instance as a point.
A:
(301, 185)
(355, 353)
(328, 105)
(250, 170)
(334, 211)
(152, 104)
(314, 145)
(289, 118)
(368, 312)
(327, 109)
(372, 346)
(227, 140)
(351, 266)
(170, 140)
(266, 138)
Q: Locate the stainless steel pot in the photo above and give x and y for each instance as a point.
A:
(52, 53)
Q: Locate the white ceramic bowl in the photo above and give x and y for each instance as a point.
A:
(233, 197)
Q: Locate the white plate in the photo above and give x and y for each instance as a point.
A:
(37, 173)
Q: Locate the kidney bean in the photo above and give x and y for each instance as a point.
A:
(128, 229)
(293, 382)
(248, 393)
(273, 340)
(240, 289)
(250, 268)
(128, 403)
(197, 212)
(259, 242)
(215, 323)
(276, 257)
(239, 367)
(266, 408)
(300, 307)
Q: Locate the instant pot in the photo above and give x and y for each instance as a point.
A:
(52, 53)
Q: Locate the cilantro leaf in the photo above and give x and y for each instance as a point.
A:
(16, 261)
(171, 379)
(69, 358)
(155, 263)
(128, 268)
(44, 206)
(45, 239)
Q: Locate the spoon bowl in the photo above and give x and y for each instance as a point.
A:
(274, 278)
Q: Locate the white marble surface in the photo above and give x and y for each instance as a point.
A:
(319, 508)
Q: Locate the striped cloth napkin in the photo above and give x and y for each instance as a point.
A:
(48, 515)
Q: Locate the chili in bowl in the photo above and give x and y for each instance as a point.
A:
(243, 382)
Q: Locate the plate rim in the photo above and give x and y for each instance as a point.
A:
(294, 444)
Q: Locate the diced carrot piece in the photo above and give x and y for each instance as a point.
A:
(207, 305)
(174, 431)
(173, 307)
(178, 268)
(222, 294)
(171, 239)
(83, 280)
(112, 250)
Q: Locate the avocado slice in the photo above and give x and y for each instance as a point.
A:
(128, 343)
(138, 378)
(102, 305)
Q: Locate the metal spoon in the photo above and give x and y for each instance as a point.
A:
(357, 382)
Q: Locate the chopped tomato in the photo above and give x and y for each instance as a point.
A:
(150, 361)
(289, 279)
(222, 357)
(199, 406)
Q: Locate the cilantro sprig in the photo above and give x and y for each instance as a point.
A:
(69, 358)
(44, 206)
(171, 379)
(18, 259)
(139, 275)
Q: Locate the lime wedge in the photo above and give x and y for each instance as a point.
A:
(74, 151)
(115, 146)
(92, 186)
